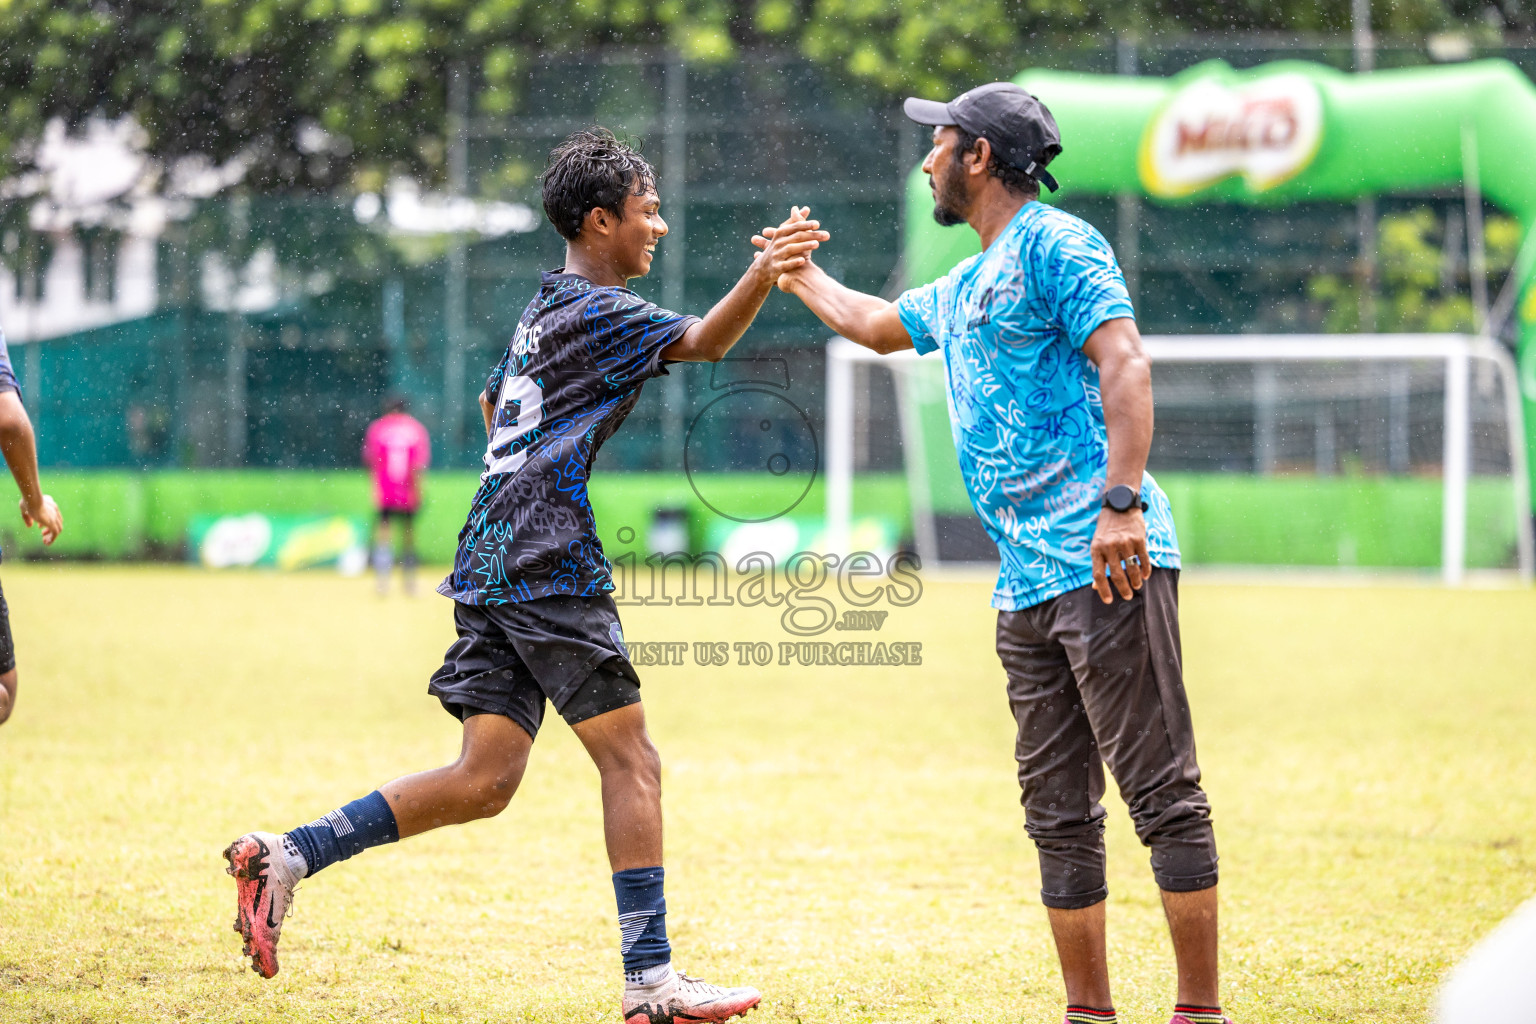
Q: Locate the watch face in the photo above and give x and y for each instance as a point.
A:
(1120, 498)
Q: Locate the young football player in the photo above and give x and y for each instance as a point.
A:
(397, 451)
(530, 583)
(19, 446)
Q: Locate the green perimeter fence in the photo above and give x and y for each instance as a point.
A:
(1235, 519)
(359, 313)
(200, 410)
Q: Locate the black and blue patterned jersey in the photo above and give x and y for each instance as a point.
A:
(571, 373)
(7, 373)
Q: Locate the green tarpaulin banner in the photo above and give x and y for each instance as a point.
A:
(1284, 132)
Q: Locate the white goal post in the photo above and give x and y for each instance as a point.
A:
(1456, 351)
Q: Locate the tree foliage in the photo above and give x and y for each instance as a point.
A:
(1424, 267)
(256, 78)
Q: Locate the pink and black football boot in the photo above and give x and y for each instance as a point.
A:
(263, 893)
(683, 1000)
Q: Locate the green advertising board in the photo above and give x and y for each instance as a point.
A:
(258, 539)
(1285, 132)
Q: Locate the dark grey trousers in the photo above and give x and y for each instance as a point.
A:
(1091, 683)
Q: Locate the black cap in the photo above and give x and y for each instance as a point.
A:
(1021, 130)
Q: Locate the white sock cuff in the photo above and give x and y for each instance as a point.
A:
(646, 977)
(297, 865)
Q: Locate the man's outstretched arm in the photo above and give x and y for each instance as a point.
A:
(19, 446)
(712, 337)
(866, 319)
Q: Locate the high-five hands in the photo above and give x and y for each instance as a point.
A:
(788, 247)
(866, 320)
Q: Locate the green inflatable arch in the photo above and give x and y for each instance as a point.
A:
(1284, 132)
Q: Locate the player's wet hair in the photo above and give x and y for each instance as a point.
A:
(592, 169)
(1013, 178)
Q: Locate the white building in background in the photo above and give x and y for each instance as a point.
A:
(91, 196)
(65, 299)
(103, 206)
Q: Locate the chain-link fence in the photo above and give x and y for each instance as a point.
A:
(354, 314)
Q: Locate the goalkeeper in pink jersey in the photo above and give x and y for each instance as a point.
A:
(396, 449)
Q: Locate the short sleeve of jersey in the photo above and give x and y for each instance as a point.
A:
(918, 309)
(1081, 281)
(629, 334)
(8, 380)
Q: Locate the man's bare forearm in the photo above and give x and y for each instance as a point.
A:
(866, 319)
(1125, 388)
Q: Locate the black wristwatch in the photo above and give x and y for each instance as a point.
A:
(1121, 498)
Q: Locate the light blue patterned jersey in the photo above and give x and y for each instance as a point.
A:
(1024, 400)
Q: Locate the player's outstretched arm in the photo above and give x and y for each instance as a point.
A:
(866, 319)
(711, 338)
(19, 446)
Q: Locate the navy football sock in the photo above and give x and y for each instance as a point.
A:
(642, 917)
(346, 832)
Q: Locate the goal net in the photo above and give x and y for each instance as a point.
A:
(1398, 451)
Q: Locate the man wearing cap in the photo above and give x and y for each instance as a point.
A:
(1050, 401)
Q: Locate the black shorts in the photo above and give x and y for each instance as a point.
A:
(1091, 683)
(7, 649)
(405, 515)
(510, 657)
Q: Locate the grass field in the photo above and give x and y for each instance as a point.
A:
(849, 840)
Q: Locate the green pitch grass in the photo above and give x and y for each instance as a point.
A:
(849, 840)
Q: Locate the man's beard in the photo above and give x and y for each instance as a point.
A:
(948, 202)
